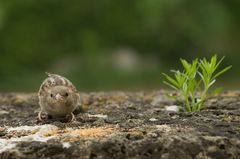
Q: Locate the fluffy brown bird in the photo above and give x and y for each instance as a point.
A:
(58, 97)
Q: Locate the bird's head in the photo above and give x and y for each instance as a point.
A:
(60, 95)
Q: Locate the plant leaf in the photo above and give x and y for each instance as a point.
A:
(219, 62)
(203, 79)
(185, 64)
(222, 71)
(170, 85)
(170, 79)
(211, 83)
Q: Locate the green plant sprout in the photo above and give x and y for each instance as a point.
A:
(193, 83)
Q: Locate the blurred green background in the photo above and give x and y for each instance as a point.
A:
(113, 45)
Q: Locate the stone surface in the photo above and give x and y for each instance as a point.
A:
(121, 125)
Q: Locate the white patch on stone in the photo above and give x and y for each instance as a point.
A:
(153, 119)
(173, 108)
(2, 112)
(97, 116)
(22, 128)
(66, 145)
(6, 145)
(41, 131)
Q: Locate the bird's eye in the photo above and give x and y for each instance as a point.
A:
(66, 94)
(51, 95)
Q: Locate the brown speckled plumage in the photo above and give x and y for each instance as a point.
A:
(57, 96)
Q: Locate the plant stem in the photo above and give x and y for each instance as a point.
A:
(187, 104)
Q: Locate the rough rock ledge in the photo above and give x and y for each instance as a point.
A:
(121, 125)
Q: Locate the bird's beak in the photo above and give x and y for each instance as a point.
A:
(59, 97)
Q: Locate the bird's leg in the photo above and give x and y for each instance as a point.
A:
(72, 117)
(40, 116)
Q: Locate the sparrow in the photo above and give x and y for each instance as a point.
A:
(58, 97)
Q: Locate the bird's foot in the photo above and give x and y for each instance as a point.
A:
(42, 116)
(71, 117)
